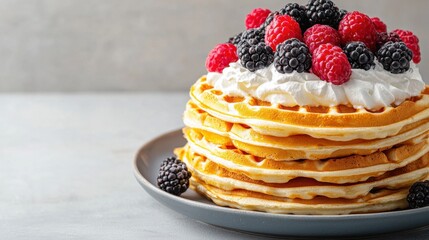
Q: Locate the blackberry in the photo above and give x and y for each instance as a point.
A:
(418, 195)
(383, 38)
(292, 55)
(269, 19)
(254, 57)
(343, 13)
(395, 57)
(298, 13)
(253, 36)
(173, 176)
(236, 39)
(359, 55)
(322, 12)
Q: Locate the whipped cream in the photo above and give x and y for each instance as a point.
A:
(371, 89)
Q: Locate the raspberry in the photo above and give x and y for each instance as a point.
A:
(220, 57)
(281, 29)
(360, 57)
(254, 57)
(385, 37)
(321, 34)
(322, 12)
(256, 18)
(292, 55)
(395, 57)
(357, 26)
(380, 26)
(331, 64)
(298, 13)
(412, 42)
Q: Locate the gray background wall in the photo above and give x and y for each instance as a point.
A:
(98, 45)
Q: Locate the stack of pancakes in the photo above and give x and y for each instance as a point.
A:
(249, 154)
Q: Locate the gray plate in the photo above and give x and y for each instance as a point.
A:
(193, 205)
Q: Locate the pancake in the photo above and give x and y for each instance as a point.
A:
(354, 168)
(341, 123)
(220, 177)
(251, 155)
(383, 200)
(292, 147)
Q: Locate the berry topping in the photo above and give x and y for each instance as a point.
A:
(322, 12)
(418, 196)
(357, 26)
(282, 28)
(321, 34)
(254, 57)
(220, 57)
(395, 57)
(360, 57)
(292, 55)
(296, 29)
(253, 36)
(173, 176)
(385, 37)
(331, 64)
(236, 39)
(298, 13)
(256, 18)
(412, 42)
(380, 26)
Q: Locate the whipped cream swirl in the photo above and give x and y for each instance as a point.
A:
(371, 89)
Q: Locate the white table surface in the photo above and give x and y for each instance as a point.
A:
(66, 169)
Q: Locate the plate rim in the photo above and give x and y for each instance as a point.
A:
(349, 217)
